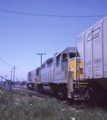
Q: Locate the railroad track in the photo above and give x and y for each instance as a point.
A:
(33, 93)
(76, 105)
(30, 92)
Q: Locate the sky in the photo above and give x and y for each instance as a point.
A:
(28, 27)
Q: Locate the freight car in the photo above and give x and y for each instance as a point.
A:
(92, 47)
(58, 75)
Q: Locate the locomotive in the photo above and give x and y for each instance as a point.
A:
(58, 75)
(78, 73)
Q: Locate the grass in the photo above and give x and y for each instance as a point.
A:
(16, 105)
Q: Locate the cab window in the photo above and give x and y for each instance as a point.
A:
(58, 60)
(64, 57)
(49, 64)
(72, 55)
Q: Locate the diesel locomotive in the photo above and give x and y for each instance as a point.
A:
(58, 75)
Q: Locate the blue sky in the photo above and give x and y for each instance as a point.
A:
(22, 36)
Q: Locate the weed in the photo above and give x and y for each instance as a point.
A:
(15, 105)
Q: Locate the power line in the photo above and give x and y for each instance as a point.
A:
(37, 34)
(8, 72)
(46, 15)
(6, 63)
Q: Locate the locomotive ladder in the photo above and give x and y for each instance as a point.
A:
(77, 70)
(69, 82)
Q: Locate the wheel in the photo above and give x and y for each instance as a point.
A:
(35, 88)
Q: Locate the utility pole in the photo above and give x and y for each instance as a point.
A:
(14, 75)
(11, 75)
(41, 56)
(6, 76)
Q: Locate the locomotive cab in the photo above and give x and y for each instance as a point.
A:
(69, 74)
(32, 78)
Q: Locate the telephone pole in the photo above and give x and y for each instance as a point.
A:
(11, 75)
(14, 75)
(41, 56)
(6, 76)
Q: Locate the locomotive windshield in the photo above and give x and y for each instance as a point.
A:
(72, 55)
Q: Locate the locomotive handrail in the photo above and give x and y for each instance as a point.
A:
(77, 71)
(67, 77)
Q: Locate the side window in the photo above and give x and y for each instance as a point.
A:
(64, 57)
(58, 60)
(29, 74)
(43, 66)
(49, 64)
(37, 72)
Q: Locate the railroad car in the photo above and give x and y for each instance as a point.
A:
(58, 75)
(92, 47)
